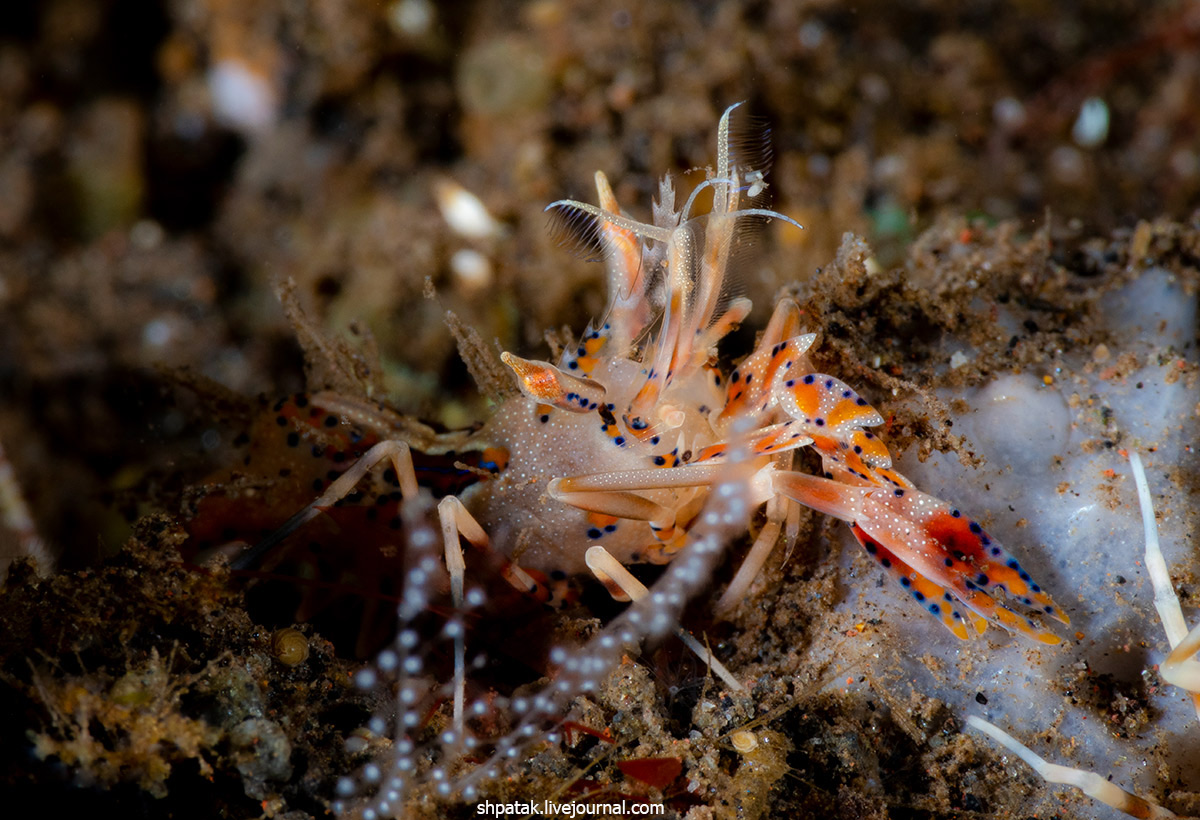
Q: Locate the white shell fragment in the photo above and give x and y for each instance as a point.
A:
(464, 212)
(1091, 126)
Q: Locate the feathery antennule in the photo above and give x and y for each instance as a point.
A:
(600, 216)
(749, 147)
(577, 230)
(579, 227)
(744, 157)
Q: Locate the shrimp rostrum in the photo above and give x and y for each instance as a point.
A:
(619, 441)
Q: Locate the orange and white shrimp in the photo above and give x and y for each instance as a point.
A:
(667, 418)
(618, 444)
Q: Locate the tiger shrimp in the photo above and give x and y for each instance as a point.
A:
(606, 456)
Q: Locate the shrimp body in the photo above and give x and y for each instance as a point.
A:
(619, 441)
